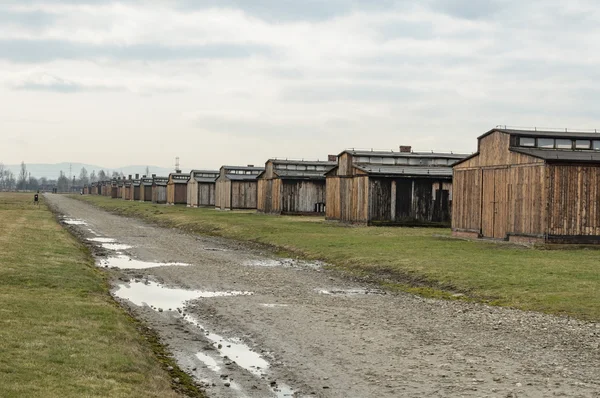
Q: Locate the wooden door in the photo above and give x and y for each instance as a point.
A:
(494, 218)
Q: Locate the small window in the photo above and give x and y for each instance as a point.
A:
(582, 144)
(414, 161)
(309, 167)
(388, 161)
(526, 141)
(376, 160)
(401, 161)
(547, 143)
(564, 144)
(596, 145)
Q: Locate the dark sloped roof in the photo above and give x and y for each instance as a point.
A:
(306, 174)
(206, 179)
(242, 177)
(406, 170)
(547, 133)
(407, 154)
(560, 155)
(245, 168)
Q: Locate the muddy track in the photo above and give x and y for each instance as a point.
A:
(246, 324)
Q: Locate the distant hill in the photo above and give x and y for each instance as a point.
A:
(52, 171)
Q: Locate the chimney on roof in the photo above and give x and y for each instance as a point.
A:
(177, 171)
(331, 158)
(137, 176)
(250, 165)
(144, 176)
(153, 175)
(405, 148)
(130, 176)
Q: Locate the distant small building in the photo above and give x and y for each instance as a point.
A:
(237, 187)
(159, 189)
(293, 187)
(394, 188)
(146, 189)
(136, 184)
(201, 188)
(530, 186)
(128, 188)
(177, 188)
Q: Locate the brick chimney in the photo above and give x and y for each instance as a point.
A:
(130, 176)
(405, 148)
(250, 165)
(137, 176)
(331, 158)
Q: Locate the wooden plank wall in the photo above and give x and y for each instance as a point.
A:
(147, 193)
(300, 196)
(206, 194)
(244, 194)
(528, 198)
(159, 194)
(264, 200)
(192, 192)
(574, 202)
(466, 200)
(223, 194)
(180, 194)
(348, 199)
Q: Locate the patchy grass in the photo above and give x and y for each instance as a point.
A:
(420, 260)
(61, 334)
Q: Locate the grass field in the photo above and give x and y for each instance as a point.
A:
(426, 261)
(61, 335)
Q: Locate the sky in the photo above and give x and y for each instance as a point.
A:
(237, 82)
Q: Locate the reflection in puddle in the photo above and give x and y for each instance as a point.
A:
(165, 298)
(126, 262)
(101, 240)
(210, 362)
(116, 246)
(350, 292)
(72, 221)
(273, 305)
(284, 262)
(235, 350)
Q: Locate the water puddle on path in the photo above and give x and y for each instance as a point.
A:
(233, 349)
(72, 221)
(101, 240)
(209, 361)
(350, 292)
(269, 305)
(285, 263)
(164, 298)
(126, 262)
(116, 246)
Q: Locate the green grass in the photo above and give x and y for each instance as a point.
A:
(61, 335)
(425, 261)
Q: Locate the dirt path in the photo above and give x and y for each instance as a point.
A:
(257, 326)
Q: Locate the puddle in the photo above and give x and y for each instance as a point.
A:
(116, 246)
(274, 305)
(93, 232)
(284, 262)
(72, 221)
(235, 350)
(210, 362)
(126, 262)
(350, 292)
(101, 240)
(165, 298)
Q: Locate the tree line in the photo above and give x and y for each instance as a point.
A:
(24, 181)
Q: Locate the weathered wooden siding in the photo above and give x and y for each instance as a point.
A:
(223, 194)
(345, 165)
(206, 194)
(300, 196)
(528, 199)
(574, 200)
(159, 194)
(348, 199)
(146, 193)
(494, 151)
(244, 194)
(192, 193)
(466, 200)
(136, 193)
(264, 200)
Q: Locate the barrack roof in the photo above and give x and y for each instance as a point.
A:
(560, 155)
(446, 155)
(409, 171)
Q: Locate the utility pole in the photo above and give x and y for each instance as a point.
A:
(70, 175)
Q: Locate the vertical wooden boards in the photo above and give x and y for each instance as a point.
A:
(244, 194)
(223, 194)
(206, 193)
(380, 199)
(332, 211)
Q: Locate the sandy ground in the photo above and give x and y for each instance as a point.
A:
(259, 326)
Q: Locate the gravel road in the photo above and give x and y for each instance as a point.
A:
(247, 324)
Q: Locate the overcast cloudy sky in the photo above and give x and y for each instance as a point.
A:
(238, 81)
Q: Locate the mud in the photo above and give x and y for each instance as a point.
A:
(307, 331)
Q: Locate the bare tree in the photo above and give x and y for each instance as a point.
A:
(115, 174)
(93, 177)
(33, 184)
(83, 177)
(63, 183)
(10, 183)
(101, 175)
(22, 182)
